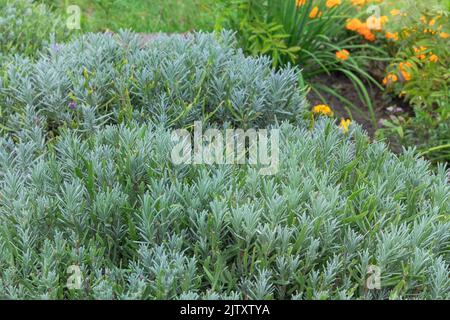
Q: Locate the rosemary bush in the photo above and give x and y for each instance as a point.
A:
(171, 80)
(137, 226)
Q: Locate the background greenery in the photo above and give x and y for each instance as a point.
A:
(26, 27)
(144, 15)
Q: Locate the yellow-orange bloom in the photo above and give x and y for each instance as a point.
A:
(354, 24)
(322, 109)
(375, 23)
(392, 36)
(406, 75)
(345, 124)
(444, 35)
(389, 79)
(405, 65)
(362, 28)
(366, 33)
(434, 58)
(420, 52)
(358, 2)
(333, 3)
(395, 12)
(420, 49)
(300, 3)
(342, 55)
(314, 12)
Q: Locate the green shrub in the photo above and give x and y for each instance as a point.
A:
(137, 226)
(419, 42)
(174, 80)
(26, 27)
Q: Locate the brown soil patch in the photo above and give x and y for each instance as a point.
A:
(384, 105)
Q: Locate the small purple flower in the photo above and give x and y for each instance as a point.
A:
(55, 47)
(72, 105)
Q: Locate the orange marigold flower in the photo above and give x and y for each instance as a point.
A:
(395, 12)
(333, 3)
(392, 36)
(434, 58)
(342, 55)
(444, 35)
(300, 3)
(314, 13)
(370, 37)
(354, 24)
(366, 33)
(361, 28)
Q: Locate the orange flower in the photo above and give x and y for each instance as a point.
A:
(342, 55)
(361, 28)
(389, 79)
(392, 36)
(444, 35)
(405, 68)
(358, 2)
(333, 3)
(434, 58)
(395, 12)
(354, 24)
(420, 52)
(369, 36)
(429, 31)
(420, 49)
(366, 33)
(406, 75)
(405, 65)
(300, 3)
(314, 13)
